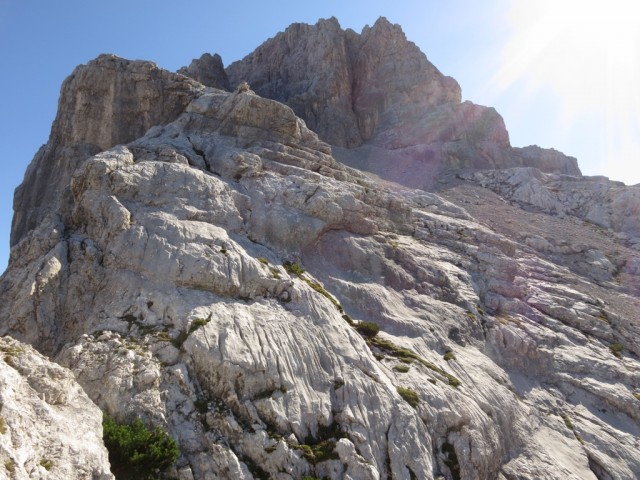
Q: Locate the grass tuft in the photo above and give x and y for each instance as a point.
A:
(616, 349)
(410, 396)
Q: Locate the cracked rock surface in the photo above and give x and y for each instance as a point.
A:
(49, 428)
(222, 275)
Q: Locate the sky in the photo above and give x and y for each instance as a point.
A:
(563, 73)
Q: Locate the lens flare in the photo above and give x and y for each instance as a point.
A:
(588, 54)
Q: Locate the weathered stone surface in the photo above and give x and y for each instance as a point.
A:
(208, 70)
(346, 86)
(598, 200)
(508, 334)
(104, 103)
(548, 160)
(377, 91)
(49, 429)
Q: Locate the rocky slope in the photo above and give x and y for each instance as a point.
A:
(166, 273)
(49, 428)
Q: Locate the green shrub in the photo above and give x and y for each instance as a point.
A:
(199, 322)
(135, 452)
(410, 396)
(401, 368)
(293, 268)
(319, 452)
(448, 356)
(637, 395)
(368, 329)
(275, 273)
(451, 460)
(180, 339)
(616, 349)
(46, 463)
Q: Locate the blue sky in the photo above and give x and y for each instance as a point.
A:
(41, 41)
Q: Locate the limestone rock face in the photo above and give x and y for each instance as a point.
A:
(208, 70)
(608, 204)
(376, 95)
(104, 103)
(346, 86)
(223, 276)
(49, 429)
(548, 160)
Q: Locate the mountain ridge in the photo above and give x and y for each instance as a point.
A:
(202, 259)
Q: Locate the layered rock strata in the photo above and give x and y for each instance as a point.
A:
(222, 276)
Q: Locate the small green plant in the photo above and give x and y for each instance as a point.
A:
(263, 260)
(199, 322)
(451, 460)
(568, 422)
(10, 466)
(223, 251)
(368, 329)
(11, 350)
(135, 452)
(347, 319)
(275, 273)
(163, 336)
(319, 452)
(410, 396)
(180, 339)
(407, 356)
(195, 324)
(401, 368)
(3, 426)
(449, 355)
(293, 268)
(616, 349)
(46, 464)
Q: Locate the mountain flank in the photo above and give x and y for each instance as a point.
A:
(202, 254)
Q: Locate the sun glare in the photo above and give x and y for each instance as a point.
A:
(587, 52)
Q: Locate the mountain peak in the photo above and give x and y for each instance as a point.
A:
(205, 261)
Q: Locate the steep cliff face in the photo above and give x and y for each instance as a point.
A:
(222, 275)
(107, 102)
(377, 91)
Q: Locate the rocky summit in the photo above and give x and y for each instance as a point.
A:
(315, 263)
